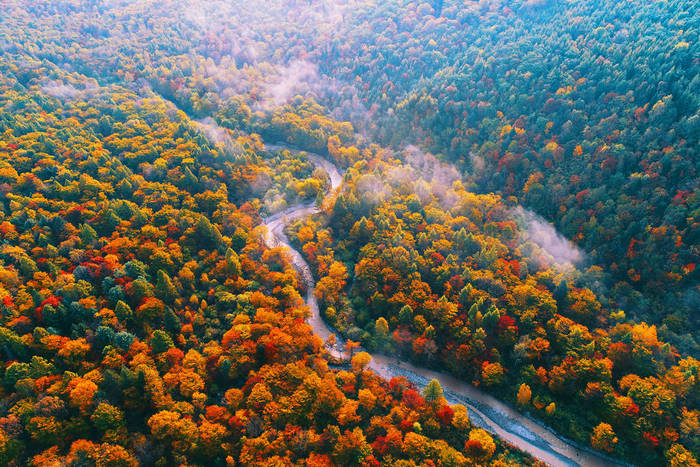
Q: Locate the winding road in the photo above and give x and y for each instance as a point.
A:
(485, 411)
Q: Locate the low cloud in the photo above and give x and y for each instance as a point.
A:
(439, 174)
(67, 91)
(558, 248)
(218, 135)
(478, 163)
(297, 77)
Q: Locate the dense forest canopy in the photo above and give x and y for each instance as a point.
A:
(519, 208)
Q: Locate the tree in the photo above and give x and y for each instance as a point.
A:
(381, 327)
(233, 264)
(360, 361)
(432, 391)
(165, 289)
(161, 341)
(351, 448)
(492, 373)
(107, 417)
(351, 346)
(480, 445)
(180, 433)
(603, 438)
(678, 456)
(524, 394)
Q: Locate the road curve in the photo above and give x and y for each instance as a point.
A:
(485, 411)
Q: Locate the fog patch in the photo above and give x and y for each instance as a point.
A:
(371, 189)
(560, 252)
(218, 135)
(478, 163)
(297, 77)
(68, 91)
(440, 175)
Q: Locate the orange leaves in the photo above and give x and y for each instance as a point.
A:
(82, 393)
(645, 335)
(74, 351)
(347, 413)
(173, 429)
(367, 399)
(329, 286)
(524, 394)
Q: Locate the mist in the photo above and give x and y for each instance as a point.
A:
(67, 91)
(563, 254)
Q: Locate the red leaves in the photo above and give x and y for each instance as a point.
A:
(445, 415)
(270, 351)
(52, 301)
(437, 258)
(412, 399)
(581, 195)
(505, 322)
(650, 439)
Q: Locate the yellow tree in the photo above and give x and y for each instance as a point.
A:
(603, 438)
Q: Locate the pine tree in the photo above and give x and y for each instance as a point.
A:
(161, 341)
(165, 289)
(233, 264)
(432, 391)
(123, 312)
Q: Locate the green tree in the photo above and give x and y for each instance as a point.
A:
(432, 391)
(161, 341)
(123, 312)
(165, 289)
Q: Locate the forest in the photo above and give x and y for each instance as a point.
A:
(519, 209)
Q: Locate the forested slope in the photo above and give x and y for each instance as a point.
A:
(144, 321)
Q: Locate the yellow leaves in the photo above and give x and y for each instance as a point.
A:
(211, 435)
(305, 234)
(603, 438)
(8, 174)
(347, 413)
(690, 423)
(480, 444)
(563, 91)
(170, 426)
(552, 146)
(74, 351)
(9, 277)
(551, 408)
(233, 398)
(360, 361)
(460, 418)
(506, 130)
(367, 399)
(492, 373)
(259, 396)
(98, 454)
(416, 445)
(682, 45)
(578, 150)
(678, 456)
(329, 287)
